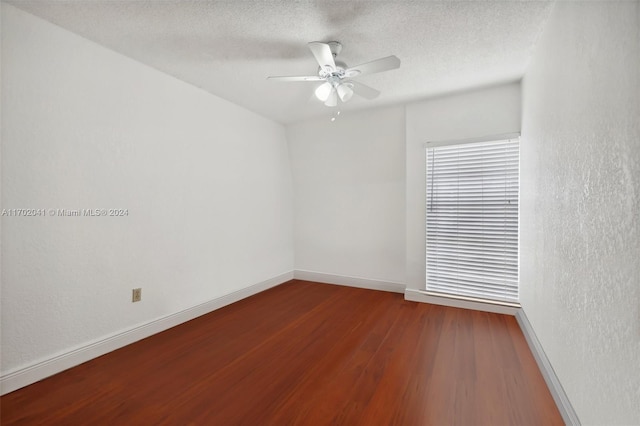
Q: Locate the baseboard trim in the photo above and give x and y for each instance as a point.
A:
(422, 296)
(553, 383)
(41, 370)
(349, 281)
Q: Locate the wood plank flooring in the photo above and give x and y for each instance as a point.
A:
(309, 354)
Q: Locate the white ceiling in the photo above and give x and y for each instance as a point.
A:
(229, 47)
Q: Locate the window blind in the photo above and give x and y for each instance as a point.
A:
(472, 219)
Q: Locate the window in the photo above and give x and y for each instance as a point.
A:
(472, 219)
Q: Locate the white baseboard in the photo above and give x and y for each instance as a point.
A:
(348, 281)
(557, 391)
(33, 373)
(422, 296)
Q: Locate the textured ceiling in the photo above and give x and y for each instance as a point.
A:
(229, 47)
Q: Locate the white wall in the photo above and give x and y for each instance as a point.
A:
(207, 185)
(359, 182)
(580, 223)
(349, 194)
(486, 112)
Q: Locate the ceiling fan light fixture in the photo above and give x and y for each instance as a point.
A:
(323, 91)
(332, 99)
(335, 76)
(345, 91)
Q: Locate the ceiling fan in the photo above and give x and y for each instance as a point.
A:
(337, 76)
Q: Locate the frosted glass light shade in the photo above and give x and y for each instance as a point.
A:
(332, 99)
(323, 91)
(345, 91)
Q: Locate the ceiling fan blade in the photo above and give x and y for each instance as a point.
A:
(379, 65)
(322, 53)
(364, 90)
(297, 78)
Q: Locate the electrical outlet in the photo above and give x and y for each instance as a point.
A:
(137, 295)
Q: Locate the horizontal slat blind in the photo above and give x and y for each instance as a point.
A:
(472, 219)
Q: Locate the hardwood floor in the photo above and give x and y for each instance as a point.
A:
(306, 353)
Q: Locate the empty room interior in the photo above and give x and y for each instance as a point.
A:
(320, 212)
